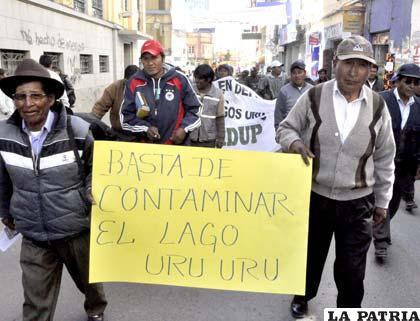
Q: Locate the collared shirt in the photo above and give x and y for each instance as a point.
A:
(38, 138)
(64, 98)
(371, 83)
(346, 113)
(404, 108)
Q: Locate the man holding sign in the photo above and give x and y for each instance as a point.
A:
(347, 130)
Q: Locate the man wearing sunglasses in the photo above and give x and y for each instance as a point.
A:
(405, 114)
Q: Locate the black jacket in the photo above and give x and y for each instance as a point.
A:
(46, 195)
(378, 86)
(407, 139)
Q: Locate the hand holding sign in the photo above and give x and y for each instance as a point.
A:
(199, 217)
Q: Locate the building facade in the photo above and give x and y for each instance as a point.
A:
(83, 44)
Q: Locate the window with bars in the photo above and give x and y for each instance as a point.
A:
(97, 8)
(79, 5)
(10, 59)
(191, 50)
(103, 64)
(86, 64)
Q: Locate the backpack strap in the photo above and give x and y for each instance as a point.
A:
(73, 145)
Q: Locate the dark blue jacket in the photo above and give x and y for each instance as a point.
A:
(407, 139)
(167, 103)
(46, 195)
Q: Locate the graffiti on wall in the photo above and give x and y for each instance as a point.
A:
(54, 41)
(57, 41)
(75, 74)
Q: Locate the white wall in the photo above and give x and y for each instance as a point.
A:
(43, 26)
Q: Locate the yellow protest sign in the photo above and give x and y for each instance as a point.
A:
(199, 217)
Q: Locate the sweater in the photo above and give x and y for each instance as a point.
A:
(344, 171)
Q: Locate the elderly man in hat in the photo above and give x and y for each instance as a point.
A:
(346, 128)
(160, 105)
(291, 92)
(405, 114)
(45, 183)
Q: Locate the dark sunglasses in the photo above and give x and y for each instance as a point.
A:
(409, 81)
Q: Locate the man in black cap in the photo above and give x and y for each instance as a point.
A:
(291, 92)
(45, 191)
(323, 76)
(405, 114)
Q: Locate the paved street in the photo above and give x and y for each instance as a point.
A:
(394, 285)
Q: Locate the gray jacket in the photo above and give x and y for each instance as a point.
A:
(212, 116)
(288, 96)
(45, 195)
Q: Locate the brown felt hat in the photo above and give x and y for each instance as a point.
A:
(29, 70)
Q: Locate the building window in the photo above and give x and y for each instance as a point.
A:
(97, 8)
(79, 5)
(55, 57)
(103, 64)
(86, 64)
(10, 59)
(162, 5)
(191, 50)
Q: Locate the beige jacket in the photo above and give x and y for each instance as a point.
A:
(111, 101)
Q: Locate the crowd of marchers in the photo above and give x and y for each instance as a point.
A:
(364, 146)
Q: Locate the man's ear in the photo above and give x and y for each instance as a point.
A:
(51, 100)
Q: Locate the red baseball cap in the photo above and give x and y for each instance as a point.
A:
(153, 47)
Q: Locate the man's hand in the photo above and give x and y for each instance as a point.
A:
(89, 197)
(153, 134)
(178, 136)
(9, 222)
(298, 147)
(417, 173)
(219, 143)
(379, 215)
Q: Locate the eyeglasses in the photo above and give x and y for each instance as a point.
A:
(409, 81)
(34, 97)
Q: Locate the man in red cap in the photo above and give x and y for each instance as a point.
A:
(160, 105)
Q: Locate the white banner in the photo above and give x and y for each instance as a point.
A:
(249, 119)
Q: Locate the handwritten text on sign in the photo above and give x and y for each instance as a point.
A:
(199, 217)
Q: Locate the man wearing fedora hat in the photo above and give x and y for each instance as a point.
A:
(346, 128)
(45, 191)
(405, 114)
